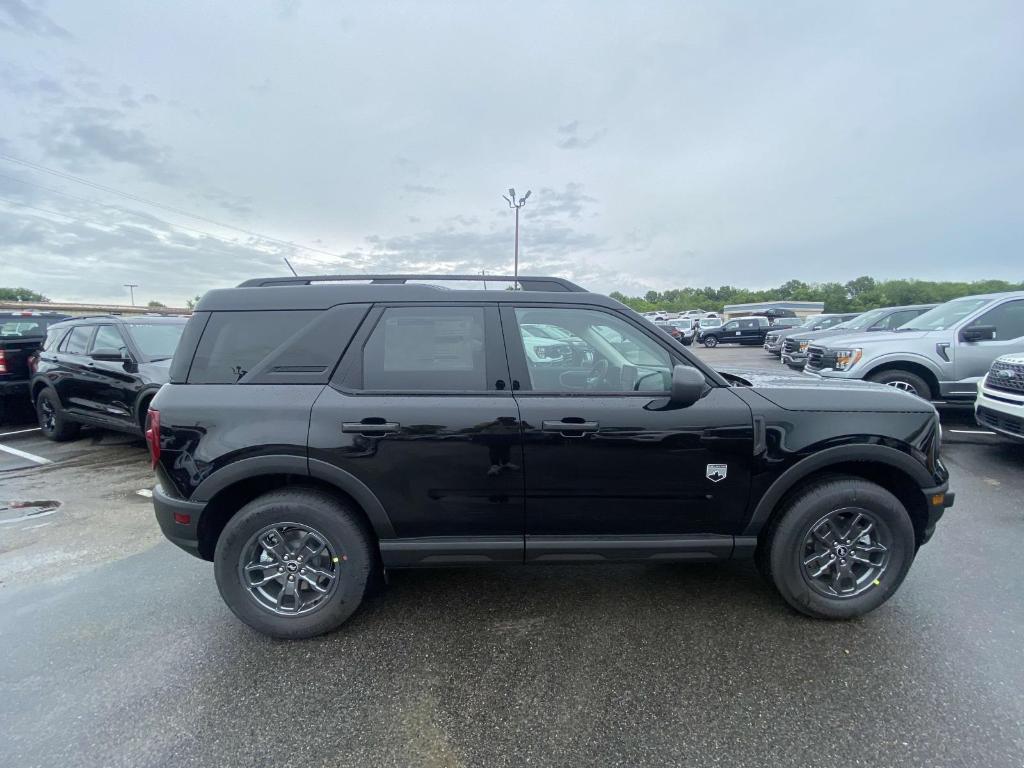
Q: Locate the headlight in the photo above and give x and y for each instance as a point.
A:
(804, 345)
(847, 358)
(540, 352)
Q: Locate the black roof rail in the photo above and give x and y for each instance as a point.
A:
(534, 283)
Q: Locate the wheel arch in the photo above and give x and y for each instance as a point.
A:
(142, 404)
(888, 467)
(917, 367)
(228, 490)
(36, 388)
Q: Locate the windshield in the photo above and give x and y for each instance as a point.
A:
(157, 341)
(860, 322)
(944, 316)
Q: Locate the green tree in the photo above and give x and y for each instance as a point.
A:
(20, 294)
(156, 305)
(191, 303)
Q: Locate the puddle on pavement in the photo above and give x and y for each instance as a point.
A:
(19, 511)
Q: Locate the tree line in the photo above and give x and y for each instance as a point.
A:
(857, 295)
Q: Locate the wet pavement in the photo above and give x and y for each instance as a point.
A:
(119, 652)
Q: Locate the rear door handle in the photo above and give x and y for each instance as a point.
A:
(368, 427)
(573, 427)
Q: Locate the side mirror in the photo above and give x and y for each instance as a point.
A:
(978, 333)
(687, 386)
(110, 355)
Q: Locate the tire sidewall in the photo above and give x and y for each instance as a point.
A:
(919, 384)
(788, 539)
(344, 536)
(711, 341)
(62, 428)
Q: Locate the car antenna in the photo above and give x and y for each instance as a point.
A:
(290, 266)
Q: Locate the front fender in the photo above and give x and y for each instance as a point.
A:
(902, 357)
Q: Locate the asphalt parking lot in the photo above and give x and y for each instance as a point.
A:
(117, 650)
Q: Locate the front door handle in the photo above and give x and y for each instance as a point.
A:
(370, 426)
(570, 426)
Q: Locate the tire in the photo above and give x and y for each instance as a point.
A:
(53, 422)
(348, 555)
(785, 550)
(687, 343)
(710, 341)
(905, 381)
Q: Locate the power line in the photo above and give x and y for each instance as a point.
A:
(155, 204)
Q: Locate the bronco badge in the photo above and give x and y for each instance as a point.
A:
(716, 472)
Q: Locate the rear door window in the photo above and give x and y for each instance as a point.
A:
(78, 340)
(426, 349)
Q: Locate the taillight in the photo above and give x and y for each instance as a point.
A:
(153, 436)
(3, 362)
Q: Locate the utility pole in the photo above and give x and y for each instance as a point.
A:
(131, 287)
(510, 198)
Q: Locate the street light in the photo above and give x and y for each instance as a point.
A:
(510, 198)
(131, 287)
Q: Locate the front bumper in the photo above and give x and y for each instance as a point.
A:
(1002, 412)
(795, 360)
(937, 501)
(178, 519)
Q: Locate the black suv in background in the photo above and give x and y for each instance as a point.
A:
(315, 432)
(21, 335)
(102, 371)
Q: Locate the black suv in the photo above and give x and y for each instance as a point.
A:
(21, 335)
(316, 432)
(102, 371)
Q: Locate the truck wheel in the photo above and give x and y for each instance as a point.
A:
(53, 422)
(841, 548)
(710, 341)
(905, 381)
(294, 563)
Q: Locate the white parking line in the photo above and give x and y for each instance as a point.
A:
(972, 431)
(25, 455)
(19, 432)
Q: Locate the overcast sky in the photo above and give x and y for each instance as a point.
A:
(666, 144)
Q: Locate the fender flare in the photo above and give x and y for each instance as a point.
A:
(280, 464)
(866, 452)
(903, 357)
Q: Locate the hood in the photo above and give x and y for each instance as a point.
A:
(784, 333)
(1015, 359)
(815, 335)
(810, 393)
(875, 337)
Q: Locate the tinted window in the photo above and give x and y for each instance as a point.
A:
(233, 342)
(733, 326)
(428, 349)
(896, 319)
(1008, 319)
(78, 340)
(53, 336)
(604, 354)
(746, 325)
(107, 337)
(22, 326)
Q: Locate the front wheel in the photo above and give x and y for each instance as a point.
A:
(294, 563)
(904, 381)
(711, 341)
(841, 548)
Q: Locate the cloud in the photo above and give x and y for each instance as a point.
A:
(21, 16)
(85, 137)
(569, 136)
(422, 189)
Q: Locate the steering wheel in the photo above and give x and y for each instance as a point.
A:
(597, 373)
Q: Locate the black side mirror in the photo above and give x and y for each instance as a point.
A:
(978, 333)
(688, 385)
(110, 355)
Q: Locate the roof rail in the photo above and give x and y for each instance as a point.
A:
(527, 283)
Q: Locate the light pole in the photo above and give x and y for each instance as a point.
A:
(510, 198)
(131, 287)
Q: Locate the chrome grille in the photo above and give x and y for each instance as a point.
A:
(1006, 376)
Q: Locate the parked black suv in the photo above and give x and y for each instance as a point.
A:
(103, 371)
(315, 432)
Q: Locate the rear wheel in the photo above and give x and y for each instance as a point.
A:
(53, 422)
(711, 341)
(294, 563)
(905, 381)
(841, 548)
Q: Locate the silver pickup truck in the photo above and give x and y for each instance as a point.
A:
(939, 355)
